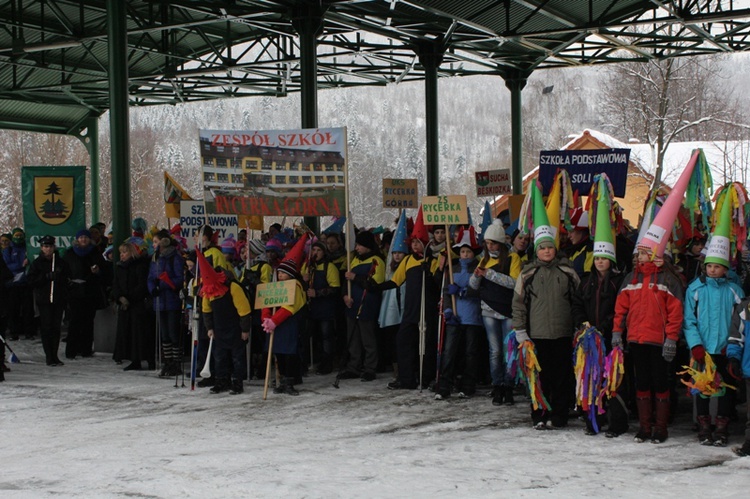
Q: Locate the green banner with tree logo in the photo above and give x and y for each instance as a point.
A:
(54, 203)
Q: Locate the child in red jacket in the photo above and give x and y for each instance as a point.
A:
(648, 311)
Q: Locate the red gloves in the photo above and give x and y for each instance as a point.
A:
(699, 353)
(164, 277)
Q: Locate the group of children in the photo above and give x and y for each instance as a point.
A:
(517, 282)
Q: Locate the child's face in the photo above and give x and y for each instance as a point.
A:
(282, 276)
(715, 270)
(465, 253)
(398, 256)
(602, 264)
(643, 256)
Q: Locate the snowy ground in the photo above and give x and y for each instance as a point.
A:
(88, 429)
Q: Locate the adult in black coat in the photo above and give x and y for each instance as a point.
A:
(49, 275)
(88, 277)
(134, 340)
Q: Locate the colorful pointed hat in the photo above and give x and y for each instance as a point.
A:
(420, 230)
(600, 202)
(466, 237)
(692, 180)
(730, 222)
(560, 203)
(486, 220)
(718, 247)
(292, 262)
(398, 244)
(537, 219)
(337, 227)
(212, 282)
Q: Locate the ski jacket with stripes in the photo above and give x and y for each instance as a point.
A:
(414, 271)
(324, 279)
(366, 306)
(649, 307)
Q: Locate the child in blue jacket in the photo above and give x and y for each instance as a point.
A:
(709, 301)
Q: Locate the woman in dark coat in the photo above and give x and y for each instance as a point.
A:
(48, 275)
(88, 278)
(130, 292)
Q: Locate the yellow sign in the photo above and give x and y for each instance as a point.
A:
(400, 193)
(275, 294)
(53, 199)
(252, 222)
(445, 210)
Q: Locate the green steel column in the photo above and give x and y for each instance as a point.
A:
(308, 22)
(90, 141)
(119, 119)
(515, 80)
(430, 57)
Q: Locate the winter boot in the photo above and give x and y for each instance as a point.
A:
(237, 387)
(498, 395)
(509, 395)
(281, 388)
(290, 390)
(206, 382)
(2, 375)
(722, 431)
(743, 450)
(643, 402)
(167, 360)
(662, 418)
(222, 385)
(704, 430)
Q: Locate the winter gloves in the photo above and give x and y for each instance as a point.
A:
(734, 368)
(454, 289)
(616, 339)
(124, 303)
(522, 336)
(699, 353)
(450, 318)
(669, 350)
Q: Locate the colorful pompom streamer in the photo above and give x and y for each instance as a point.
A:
(526, 218)
(614, 372)
(511, 357)
(561, 203)
(737, 195)
(699, 190)
(588, 366)
(705, 382)
(530, 374)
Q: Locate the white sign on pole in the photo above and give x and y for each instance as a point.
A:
(493, 183)
(192, 218)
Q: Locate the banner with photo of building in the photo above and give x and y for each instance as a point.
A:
(274, 172)
(54, 203)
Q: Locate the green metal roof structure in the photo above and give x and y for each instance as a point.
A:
(63, 63)
(54, 57)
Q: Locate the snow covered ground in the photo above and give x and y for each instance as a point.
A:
(88, 429)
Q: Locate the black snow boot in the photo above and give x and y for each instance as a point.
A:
(509, 395)
(498, 395)
(222, 385)
(237, 387)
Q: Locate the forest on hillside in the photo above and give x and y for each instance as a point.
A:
(655, 103)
